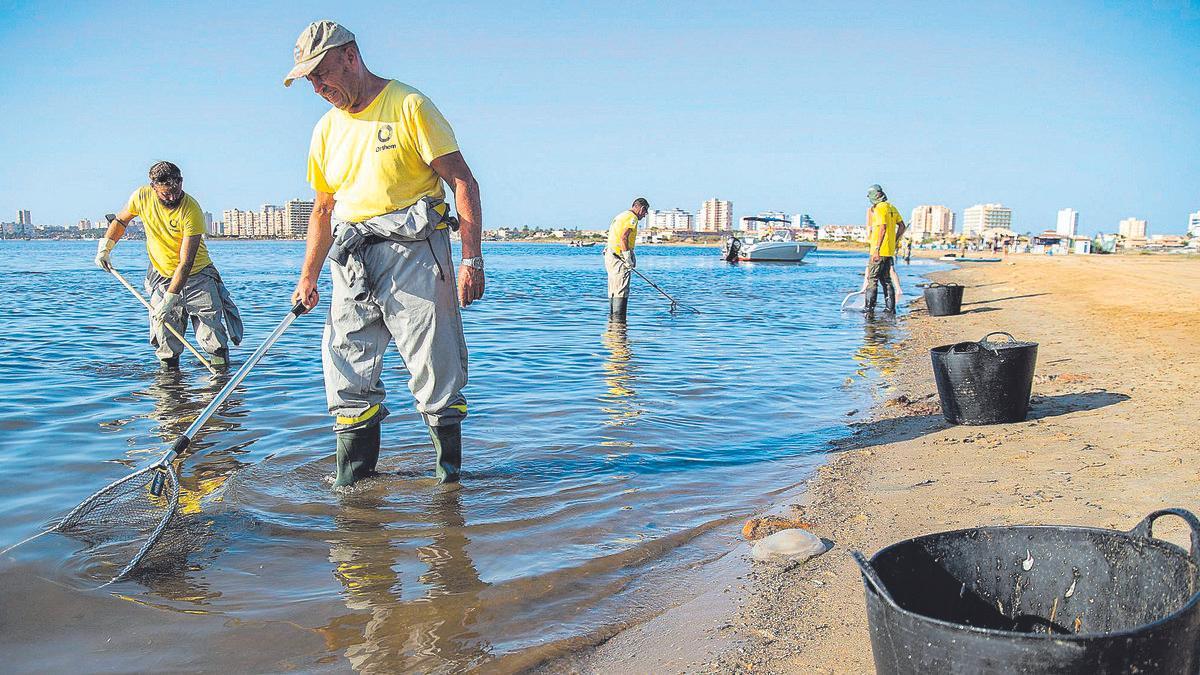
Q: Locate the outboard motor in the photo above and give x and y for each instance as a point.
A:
(732, 246)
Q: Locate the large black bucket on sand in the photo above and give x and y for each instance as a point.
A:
(1036, 600)
(943, 299)
(985, 382)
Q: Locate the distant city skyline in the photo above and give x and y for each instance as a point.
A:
(566, 112)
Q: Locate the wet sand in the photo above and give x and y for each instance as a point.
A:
(1111, 436)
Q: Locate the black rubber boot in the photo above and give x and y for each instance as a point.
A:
(447, 446)
(869, 295)
(220, 358)
(889, 297)
(170, 364)
(357, 454)
(617, 307)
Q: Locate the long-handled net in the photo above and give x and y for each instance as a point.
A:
(136, 519)
(675, 304)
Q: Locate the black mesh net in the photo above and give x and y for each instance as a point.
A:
(126, 526)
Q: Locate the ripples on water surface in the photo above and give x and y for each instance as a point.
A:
(594, 454)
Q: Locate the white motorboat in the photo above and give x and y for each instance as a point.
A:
(779, 246)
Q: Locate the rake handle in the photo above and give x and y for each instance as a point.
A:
(171, 328)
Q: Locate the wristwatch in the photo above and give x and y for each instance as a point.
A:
(476, 262)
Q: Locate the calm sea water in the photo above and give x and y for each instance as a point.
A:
(594, 456)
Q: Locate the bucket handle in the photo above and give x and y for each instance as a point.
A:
(872, 578)
(998, 332)
(1146, 527)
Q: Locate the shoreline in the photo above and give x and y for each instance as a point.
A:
(1101, 447)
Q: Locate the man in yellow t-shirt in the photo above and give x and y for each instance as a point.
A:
(182, 281)
(619, 260)
(884, 228)
(377, 160)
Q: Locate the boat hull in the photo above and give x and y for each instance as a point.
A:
(776, 251)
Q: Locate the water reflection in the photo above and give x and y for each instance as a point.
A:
(196, 538)
(619, 402)
(877, 351)
(429, 631)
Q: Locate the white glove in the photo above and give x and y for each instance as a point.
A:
(165, 307)
(629, 259)
(103, 248)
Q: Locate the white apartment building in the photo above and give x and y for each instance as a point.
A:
(675, 219)
(295, 216)
(931, 221)
(1068, 222)
(842, 232)
(1132, 228)
(1194, 224)
(238, 223)
(716, 215)
(982, 216)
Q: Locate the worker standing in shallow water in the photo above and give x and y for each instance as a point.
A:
(377, 160)
(182, 281)
(619, 260)
(885, 227)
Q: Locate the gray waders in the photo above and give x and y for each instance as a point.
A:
(618, 284)
(393, 281)
(205, 300)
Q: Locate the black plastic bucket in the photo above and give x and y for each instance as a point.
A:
(1036, 599)
(943, 299)
(985, 382)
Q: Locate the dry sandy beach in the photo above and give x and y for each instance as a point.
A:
(1111, 436)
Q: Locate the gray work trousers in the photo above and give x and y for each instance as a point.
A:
(412, 298)
(618, 275)
(205, 300)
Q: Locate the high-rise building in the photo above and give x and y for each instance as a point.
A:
(238, 223)
(716, 215)
(270, 222)
(23, 217)
(1068, 222)
(208, 222)
(675, 219)
(296, 213)
(84, 224)
(1194, 224)
(1132, 228)
(931, 222)
(980, 217)
(803, 220)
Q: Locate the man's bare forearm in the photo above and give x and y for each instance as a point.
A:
(470, 216)
(318, 241)
(187, 258)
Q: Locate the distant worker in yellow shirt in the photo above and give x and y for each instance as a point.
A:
(182, 281)
(377, 160)
(885, 227)
(619, 260)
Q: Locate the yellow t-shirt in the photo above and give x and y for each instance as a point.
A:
(886, 216)
(624, 222)
(166, 228)
(378, 161)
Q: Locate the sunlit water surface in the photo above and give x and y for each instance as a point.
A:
(595, 454)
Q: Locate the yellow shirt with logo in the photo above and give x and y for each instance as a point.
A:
(166, 229)
(624, 222)
(378, 161)
(886, 216)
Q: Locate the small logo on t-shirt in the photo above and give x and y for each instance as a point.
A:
(384, 135)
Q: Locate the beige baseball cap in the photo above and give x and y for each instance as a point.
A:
(318, 38)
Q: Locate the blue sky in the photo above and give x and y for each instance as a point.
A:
(565, 111)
